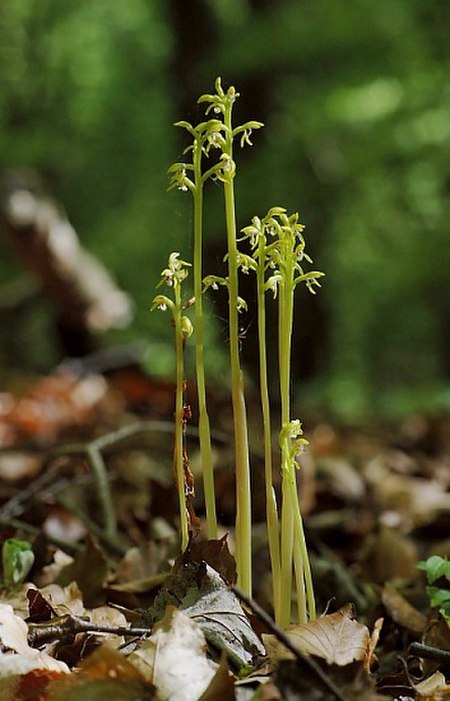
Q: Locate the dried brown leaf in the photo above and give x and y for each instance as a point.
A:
(392, 555)
(401, 611)
(336, 638)
(90, 571)
(16, 656)
(104, 674)
(217, 554)
(221, 687)
(435, 688)
(174, 658)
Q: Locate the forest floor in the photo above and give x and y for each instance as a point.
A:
(96, 599)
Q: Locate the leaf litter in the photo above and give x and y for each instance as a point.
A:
(87, 612)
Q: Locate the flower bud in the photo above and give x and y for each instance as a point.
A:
(186, 327)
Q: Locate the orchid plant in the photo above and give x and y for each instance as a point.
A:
(277, 255)
(173, 276)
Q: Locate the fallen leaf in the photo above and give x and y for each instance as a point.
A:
(217, 554)
(50, 572)
(64, 599)
(139, 586)
(104, 674)
(435, 688)
(18, 466)
(392, 555)
(141, 563)
(221, 687)
(13, 631)
(89, 570)
(401, 611)
(40, 609)
(415, 500)
(53, 403)
(336, 638)
(374, 638)
(200, 591)
(174, 658)
(16, 656)
(31, 686)
(341, 478)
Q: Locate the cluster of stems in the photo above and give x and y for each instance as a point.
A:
(277, 249)
(277, 246)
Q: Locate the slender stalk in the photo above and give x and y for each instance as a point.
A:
(173, 276)
(287, 523)
(271, 502)
(243, 494)
(179, 404)
(302, 550)
(292, 536)
(203, 421)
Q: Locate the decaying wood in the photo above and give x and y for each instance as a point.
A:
(87, 300)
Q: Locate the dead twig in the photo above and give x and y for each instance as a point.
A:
(283, 638)
(427, 652)
(92, 451)
(57, 628)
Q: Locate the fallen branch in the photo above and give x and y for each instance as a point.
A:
(57, 628)
(86, 299)
(427, 652)
(92, 451)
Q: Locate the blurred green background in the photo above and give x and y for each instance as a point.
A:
(355, 97)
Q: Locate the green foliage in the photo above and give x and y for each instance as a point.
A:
(17, 561)
(437, 569)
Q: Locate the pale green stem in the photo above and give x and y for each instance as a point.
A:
(306, 566)
(299, 567)
(203, 420)
(271, 502)
(287, 547)
(243, 493)
(179, 402)
(292, 521)
(287, 522)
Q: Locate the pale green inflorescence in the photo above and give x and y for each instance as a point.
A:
(277, 258)
(278, 246)
(173, 276)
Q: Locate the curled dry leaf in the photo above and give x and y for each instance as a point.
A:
(336, 638)
(217, 554)
(16, 656)
(434, 688)
(198, 590)
(374, 638)
(174, 658)
(221, 687)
